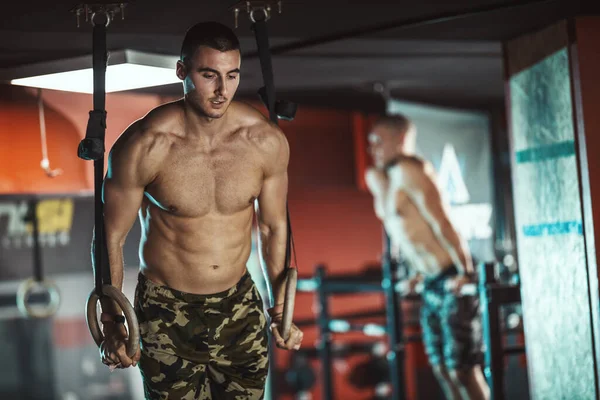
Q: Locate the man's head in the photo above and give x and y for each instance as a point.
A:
(391, 136)
(210, 67)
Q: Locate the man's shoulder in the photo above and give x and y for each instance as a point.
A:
(412, 171)
(409, 164)
(163, 118)
(151, 132)
(259, 128)
(248, 116)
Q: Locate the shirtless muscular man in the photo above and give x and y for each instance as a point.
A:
(408, 202)
(195, 171)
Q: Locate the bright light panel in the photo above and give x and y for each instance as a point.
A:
(118, 77)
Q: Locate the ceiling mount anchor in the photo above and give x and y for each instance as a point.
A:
(92, 10)
(383, 89)
(256, 10)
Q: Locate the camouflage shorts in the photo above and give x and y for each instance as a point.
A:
(451, 325)
(202, 346)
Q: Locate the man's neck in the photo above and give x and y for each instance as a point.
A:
(201, 124)
(397, 158)
(393, 161)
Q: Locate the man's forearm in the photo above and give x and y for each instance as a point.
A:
(115, 258)
(273, 245)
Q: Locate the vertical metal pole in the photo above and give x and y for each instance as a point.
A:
(494, 354)
(395, 331)
(37, 249)
(325, 344)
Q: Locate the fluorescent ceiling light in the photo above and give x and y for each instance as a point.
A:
(118, 77)
(126, 70)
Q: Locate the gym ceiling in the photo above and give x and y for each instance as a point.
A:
(450, 54)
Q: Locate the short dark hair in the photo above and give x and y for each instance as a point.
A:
(397, 122)
(210, 34)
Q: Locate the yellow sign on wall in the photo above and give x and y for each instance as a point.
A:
(55, 221)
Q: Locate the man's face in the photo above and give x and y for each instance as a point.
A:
(210, 79)
(384, 145)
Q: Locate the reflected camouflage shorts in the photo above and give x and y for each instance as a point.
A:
(451, 325)
(202, 346)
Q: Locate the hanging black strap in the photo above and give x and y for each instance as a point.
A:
(92, 148)
(262, 42)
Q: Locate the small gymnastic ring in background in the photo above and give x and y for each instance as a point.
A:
(133, 341)
(24, 291)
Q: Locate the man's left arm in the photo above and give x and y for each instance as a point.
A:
(273, 231)
(425, 194)
(272, 215)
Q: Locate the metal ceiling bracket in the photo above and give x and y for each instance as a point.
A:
(256, 10)
(93, 12)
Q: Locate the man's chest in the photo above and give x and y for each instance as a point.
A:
(194, 183)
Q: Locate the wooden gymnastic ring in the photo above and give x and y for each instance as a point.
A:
(133, 341)
(37, 312)
(288, 305)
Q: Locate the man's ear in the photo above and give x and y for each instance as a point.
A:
(181, 70)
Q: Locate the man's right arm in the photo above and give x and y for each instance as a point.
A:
(377, 184)
(415, 181)
(132, 165)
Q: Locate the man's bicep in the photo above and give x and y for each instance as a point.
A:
(123, 192)
(272, 200)
(121, 206)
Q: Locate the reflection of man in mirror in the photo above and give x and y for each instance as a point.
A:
(408, 202)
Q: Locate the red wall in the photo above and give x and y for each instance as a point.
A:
(122, 109)
(333, 221)
(21, 148)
